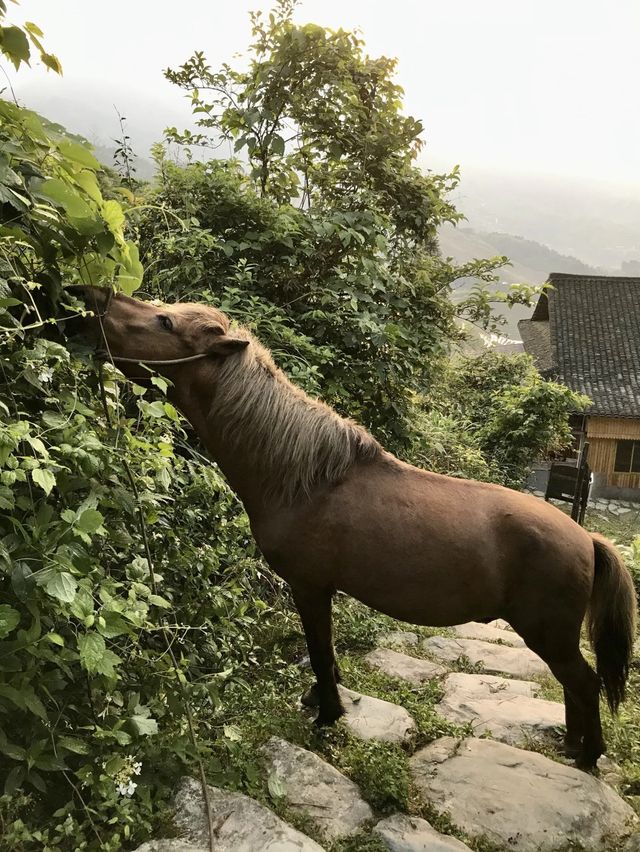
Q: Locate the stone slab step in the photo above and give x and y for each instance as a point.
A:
(488, 633)
(411, 669)
(313, 787)
(508, 709)
(374, 719)
(402, 833)
(398, 639)
(496, 659)
(240, 824)
(520, 799)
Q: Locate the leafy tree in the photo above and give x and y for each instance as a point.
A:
(331, 229)
(514, 415)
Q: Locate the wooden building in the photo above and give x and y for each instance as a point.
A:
(585, 332)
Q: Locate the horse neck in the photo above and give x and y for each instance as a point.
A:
(274, 444)
(195, 399)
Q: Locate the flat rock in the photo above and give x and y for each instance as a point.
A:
(488, 633)
(519, 798)
(173, 845)
(501, 624)
(240, 824)
(402, 666)
(374, 719)
(507, 709)
(313, 787)
(397, 639)
(496, 659)
(402, 833)
(633, 843)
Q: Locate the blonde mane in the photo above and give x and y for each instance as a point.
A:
(293, 441)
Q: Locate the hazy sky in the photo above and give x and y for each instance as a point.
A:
(541, 86)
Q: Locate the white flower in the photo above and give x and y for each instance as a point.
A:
(126, 789)
(137, 768)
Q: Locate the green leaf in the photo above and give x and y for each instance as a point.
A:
(277, 145)
(15, 45)
(15, 752)
(34, 29)
(14, 780)
(113, 625)
(44, 478)
(33, 703)
(92, 649)
(62, 586)
(95, 657)
(73, 744)
(144, 726)
(159, 601)
(9, 620)
(67, 197)
(276, 786)
(113, 216)
(233, 733)
(51, 62)
(39, 447)
(79, 154)
(89, 521)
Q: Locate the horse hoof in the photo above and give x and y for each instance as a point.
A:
(327, 719)
(587, 763)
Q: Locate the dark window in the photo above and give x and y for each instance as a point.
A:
(627, 457)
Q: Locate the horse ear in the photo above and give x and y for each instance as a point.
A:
(225, 344)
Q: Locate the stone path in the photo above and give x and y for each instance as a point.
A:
(489, 633)
(402, 666)
(506, 709)
(240, 825)
(496, 659)
(404, 833)
(518, 799)
(374, 719)
(313, 787)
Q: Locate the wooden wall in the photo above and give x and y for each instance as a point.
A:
(603, 433)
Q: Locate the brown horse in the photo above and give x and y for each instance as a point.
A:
(330, 509)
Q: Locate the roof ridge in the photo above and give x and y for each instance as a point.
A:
(627, 279)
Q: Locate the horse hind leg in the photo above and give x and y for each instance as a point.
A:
(583, 686)
(560, 649)
(574, 724)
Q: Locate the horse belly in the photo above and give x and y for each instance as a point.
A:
(414, 562)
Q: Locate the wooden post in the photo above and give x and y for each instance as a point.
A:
(577, 508)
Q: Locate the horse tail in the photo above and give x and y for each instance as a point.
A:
(612, 619)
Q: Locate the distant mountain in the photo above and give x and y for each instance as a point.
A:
(593, 221)
(531, 263)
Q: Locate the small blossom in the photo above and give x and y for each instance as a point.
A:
(126, 789)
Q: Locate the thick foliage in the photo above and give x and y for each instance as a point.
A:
(514, 415)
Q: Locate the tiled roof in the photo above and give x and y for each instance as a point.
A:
(594, 334)
(536, 341)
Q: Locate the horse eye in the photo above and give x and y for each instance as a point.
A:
(165, 322)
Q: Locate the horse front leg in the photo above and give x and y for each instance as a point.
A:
(314, 606)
